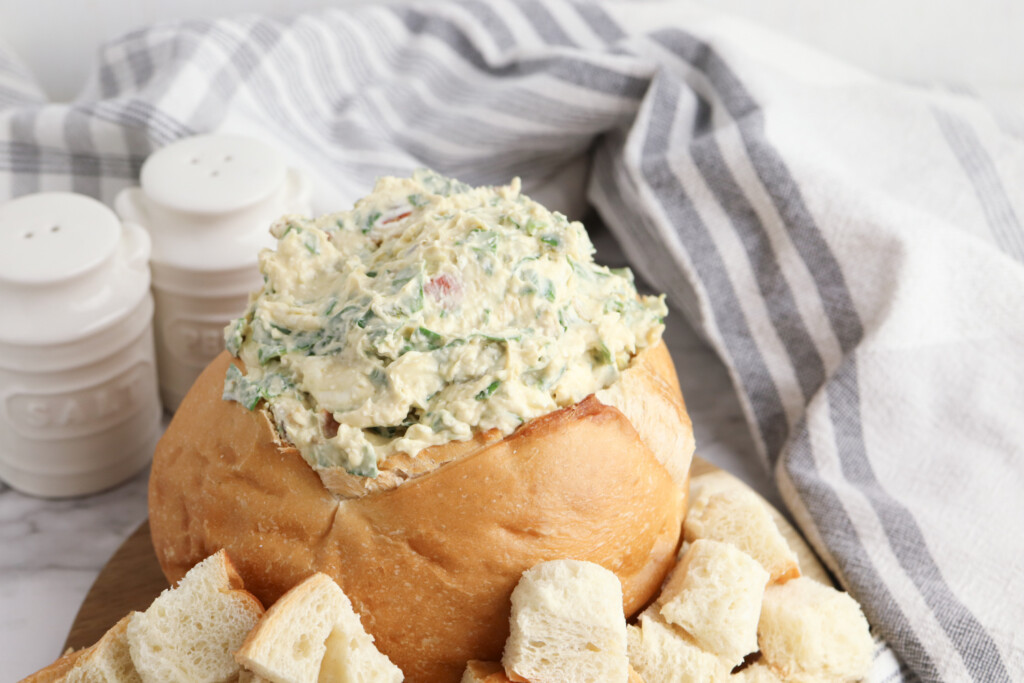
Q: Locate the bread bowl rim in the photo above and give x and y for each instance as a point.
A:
(399, 468)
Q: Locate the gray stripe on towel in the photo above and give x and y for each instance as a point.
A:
(21, 157)
(710, 268)
(976, 647)
(778, 297)
(544, 23)
(85, 168)
(840, 535)
(490, 20)
(981, 171)
(30, 160)
(569, 69)
(600, 22)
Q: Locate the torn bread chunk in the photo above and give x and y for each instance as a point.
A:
(663, 653)
(809, 631)
(352, 657)
(715, 595)
(312, 635)
(106, 661)
(738, 516)
(109, 660)
(190, 632)
(567, 624)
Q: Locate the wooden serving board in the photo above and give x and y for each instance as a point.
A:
(131, 579)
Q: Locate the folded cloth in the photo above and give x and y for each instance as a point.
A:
(851, 249)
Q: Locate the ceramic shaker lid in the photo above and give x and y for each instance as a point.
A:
(213, 174)
(67, 268)
(208, 201)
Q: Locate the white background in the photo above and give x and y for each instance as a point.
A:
(977, 43)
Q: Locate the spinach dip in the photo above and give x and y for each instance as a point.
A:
(430, 311)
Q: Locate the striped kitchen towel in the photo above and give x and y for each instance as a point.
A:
(851, 249)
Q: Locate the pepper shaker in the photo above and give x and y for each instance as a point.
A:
(207, 202)
(79, 410)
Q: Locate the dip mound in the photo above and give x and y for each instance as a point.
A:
(430, 312)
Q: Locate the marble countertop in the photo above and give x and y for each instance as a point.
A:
(53, 550)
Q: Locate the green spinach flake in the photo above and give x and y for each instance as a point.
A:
(489, 391)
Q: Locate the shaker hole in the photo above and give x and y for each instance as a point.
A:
(195, 160)
(55, 228)
(28, 235)
(228, 158)
(214, 174)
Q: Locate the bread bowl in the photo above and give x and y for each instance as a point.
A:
(429, 538)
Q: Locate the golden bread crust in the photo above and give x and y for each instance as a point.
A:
(429, 565)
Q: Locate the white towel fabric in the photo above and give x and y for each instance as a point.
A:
(852, 249)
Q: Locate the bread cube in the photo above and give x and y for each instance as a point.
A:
(714, 595)
(567, 624)
(662, 653)
(738, 516)
(189, 633)
(312, 635)
(811, 631)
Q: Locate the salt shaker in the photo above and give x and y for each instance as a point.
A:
(207, 202)
(79, 410)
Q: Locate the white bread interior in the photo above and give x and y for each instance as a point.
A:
(803, 617)
(312, 635)
(663, 653)
(715, 595)
(351, 656)
(809, 631)
(567, 625)
(739, 516)
(703, 485)
(189, 633)
(108, 661)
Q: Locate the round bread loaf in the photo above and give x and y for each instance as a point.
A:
(430, 550)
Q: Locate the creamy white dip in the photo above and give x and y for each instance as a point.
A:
(429, 311)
